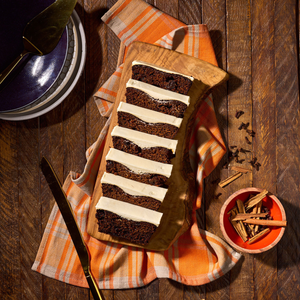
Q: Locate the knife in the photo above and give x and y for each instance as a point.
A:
(43, 32)
(68, 216)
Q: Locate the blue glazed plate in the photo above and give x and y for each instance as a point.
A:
(36, 74)
(66, 81)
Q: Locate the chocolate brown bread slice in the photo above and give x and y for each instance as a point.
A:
(155, 98)
(161, 77)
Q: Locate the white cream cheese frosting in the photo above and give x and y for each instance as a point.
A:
(156, 92)
(138, 164)
(134, 188)
(148, 115)
(138, 62)
(129, 211)
(144, 140)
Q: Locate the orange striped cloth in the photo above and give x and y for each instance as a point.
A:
(113, 265)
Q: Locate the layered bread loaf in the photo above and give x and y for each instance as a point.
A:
(139, 165)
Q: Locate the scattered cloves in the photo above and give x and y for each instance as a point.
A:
(238, 113)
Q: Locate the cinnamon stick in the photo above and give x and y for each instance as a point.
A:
(239, 169)
(241, 209)
(254, 211)
(246, 216)
(256, 199)
(259, 235)
(230, 179)
(259, 206)
(237, 227)
(240, 206)
(266, 222)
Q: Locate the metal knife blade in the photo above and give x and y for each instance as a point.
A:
(69, 218)
(43, 32)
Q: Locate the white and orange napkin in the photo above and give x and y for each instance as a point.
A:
(116, 266)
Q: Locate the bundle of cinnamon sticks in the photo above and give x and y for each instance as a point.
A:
(251, 220)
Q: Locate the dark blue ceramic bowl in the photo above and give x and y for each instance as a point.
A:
(36, 74)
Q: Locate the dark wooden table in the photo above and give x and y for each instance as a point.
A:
(257, 43)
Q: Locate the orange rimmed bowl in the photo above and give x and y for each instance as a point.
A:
(266, 242)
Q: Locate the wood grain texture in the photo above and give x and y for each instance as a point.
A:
(51, 146)
(287, 142)
(215, 17)
(30, 212)
(169, 289)
(169, 7)
(10, 261)
(150, 291)
(263, 50)
(74, 142)
(190, 12)
(97, 64)
(239, 98)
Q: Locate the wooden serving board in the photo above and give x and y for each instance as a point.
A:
(177, 205)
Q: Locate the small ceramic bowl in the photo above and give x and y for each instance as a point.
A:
(266, 242)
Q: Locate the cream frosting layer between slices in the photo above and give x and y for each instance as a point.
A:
(144, 140)
(156, 92)
(148, 115)
(138, 62)
(138, 164)
(129, 211)
(134, 188)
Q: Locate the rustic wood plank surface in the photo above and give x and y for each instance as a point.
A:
(257, 43)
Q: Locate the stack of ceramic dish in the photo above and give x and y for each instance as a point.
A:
(42, 82)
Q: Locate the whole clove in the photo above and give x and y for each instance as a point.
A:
(242, 150)
(247, 141)
(242, 126)
(239, 161)
(218, 195)
(238, 113)
(253, 161)
(250, 132)
(257, 165)
(235, 153)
